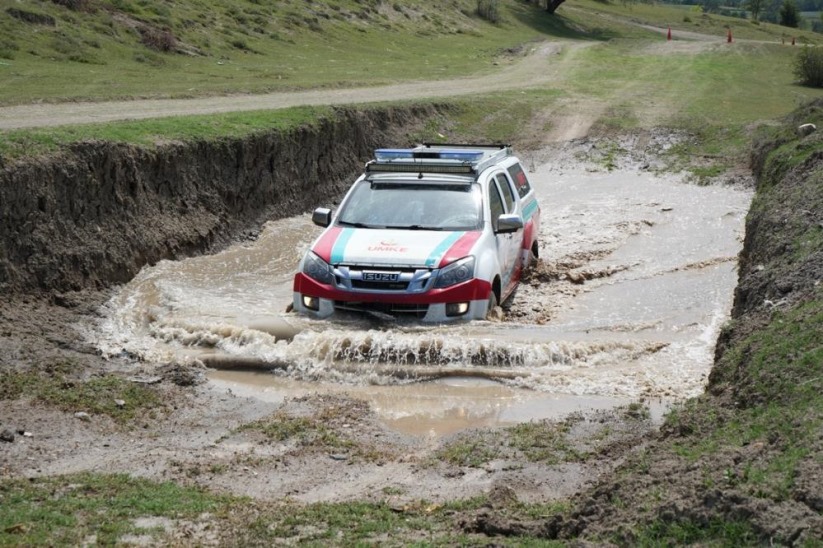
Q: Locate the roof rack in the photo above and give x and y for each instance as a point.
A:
(452, 158)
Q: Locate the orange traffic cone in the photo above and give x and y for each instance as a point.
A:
(729, 37)
(669, 35)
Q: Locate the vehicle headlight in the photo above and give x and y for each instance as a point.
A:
(455, 273)
(317, 269)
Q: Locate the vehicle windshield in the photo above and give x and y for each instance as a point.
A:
(413, 206)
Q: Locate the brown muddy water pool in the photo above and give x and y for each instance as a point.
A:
(657, 257)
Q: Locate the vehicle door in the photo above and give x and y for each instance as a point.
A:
(502, 200)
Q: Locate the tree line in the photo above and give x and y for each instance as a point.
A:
(783, 12)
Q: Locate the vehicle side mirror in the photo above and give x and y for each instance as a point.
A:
(322, 217)
(509, 223)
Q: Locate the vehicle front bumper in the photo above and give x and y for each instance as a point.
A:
(330, 300)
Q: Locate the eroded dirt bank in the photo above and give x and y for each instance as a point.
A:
(741, 464)
(93, 215)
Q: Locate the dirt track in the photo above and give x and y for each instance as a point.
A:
(542, 64)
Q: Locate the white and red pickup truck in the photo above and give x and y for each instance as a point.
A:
(439, 232)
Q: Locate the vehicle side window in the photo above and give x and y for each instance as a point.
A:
(508, 193)
(520, 180)
(495, 204)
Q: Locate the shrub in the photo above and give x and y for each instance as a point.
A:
(808, 66)
(32, 17)
(240, 44)
(488, 10)
(74, 5)
(159, 40)
(7, 49)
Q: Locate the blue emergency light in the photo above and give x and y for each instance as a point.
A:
(389, 154)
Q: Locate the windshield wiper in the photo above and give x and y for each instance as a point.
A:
(415, 227)
(356, 225)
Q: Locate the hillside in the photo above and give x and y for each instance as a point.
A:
(81, 50)
(87, 49)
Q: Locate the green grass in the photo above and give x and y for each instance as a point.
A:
(778, 379)
(687, 18)
(537, 441)
(54, 386)
(148, 133)
(306, 431)
(117, 509)
(727, 87)
(418, 523)
(70, 510)
(239, 47)
(498, 117)
(470, 450)
(714, 94)
(315, 433)
(684, 531)
(543, 441)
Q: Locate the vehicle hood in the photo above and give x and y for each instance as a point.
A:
(391, 247)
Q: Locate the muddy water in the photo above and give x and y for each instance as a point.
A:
(657, 256)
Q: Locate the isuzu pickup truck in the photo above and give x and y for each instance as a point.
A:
(438, 232)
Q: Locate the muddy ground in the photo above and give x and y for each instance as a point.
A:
(200, 434)
(332, 448)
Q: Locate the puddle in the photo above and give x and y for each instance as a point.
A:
(435, 408)
(643, 328)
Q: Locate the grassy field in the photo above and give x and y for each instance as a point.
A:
(116, 49)
(136, 48)
(714, 90)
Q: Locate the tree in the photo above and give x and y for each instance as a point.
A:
(808, 66)
(789, 14)
(711, 6)
(755, 6)
(552, 5)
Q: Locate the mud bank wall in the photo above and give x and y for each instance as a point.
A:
(781, 264)
(93, 215)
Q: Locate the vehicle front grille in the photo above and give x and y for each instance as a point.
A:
(380, 286)
(393, 309)
(382, 279)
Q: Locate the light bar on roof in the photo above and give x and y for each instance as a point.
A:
(392, 154)
(409, 167)
(462, 155)
(387, 154)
